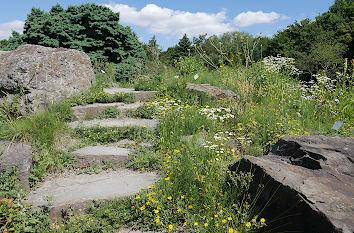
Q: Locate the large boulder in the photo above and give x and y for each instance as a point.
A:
(18, 155)
(306, 183)
(45, 75)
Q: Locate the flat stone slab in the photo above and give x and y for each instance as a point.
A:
(139, 95)
(19, 155)
(149, 123)
(76, 189)
(98, 154)
(214, 92)
(93, 110)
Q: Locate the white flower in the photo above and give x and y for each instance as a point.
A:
(103, 71)
(196, 77)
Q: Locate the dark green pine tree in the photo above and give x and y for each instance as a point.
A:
(184, 46)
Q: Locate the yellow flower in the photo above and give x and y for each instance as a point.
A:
(142, 208)
(182, 197)
(248, 224)
(169, 198)
(262, 220)
(223, 221)
(170, 226)
(196, 224)
(157, 220)
(231, 230)
(206, 224)
(178, 210)
(168, 178)
(217, 224)
(137, 197)
(156, 211)
(190, 207)
(216, 215)
(229, 218)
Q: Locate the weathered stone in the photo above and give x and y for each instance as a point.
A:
(139, 95)
(80, 190)
(93, 110)
(215, 93)
(310, 179)
(47, 75)
(19, 155)
(98, 154)
(149, 123)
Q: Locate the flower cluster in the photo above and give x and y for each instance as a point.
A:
(216, 113)
(278, 64)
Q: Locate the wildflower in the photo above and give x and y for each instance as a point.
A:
(182, 197)
(169, 198)
(167, 178)
(156, 211)
(230, 230)
(206, 224)
(157, 220)
(170, 226)
(190, 207)
(223, 221)
(196, 77)
(142, 208)
(196, 224)
(217, 224)
(229, 218)
(262, 220)
(248, 224)
(216, 215)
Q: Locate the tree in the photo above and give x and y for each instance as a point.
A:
(14, 41)
(184, 47)
(152, 50)
(91, 28)
(3, 44)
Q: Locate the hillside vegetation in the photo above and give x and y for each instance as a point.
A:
(304, 90)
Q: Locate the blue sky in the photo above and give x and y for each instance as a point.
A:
(170, 19)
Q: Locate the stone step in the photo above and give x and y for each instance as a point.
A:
(149, 123)
(139, 95)
(81, 190)
(93, 110)
(98, 154)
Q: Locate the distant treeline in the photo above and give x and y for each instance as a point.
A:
(317, 46)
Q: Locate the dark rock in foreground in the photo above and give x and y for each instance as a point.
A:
(308, 184)
(19, 155)
(215, 93)
(46, 75)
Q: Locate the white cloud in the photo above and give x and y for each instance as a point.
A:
(249, 18)
(173, 22)
(6, 28)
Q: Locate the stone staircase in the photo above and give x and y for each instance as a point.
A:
(79, 190)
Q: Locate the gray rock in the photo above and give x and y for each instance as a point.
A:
(80, 190)
(311, 178)
(139, 95)
(16, 154)
(93, 110)
(48, 75)
(215, 93)
(98, 154)
(149, 123)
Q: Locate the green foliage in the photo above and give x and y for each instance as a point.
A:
(14, 41)
(112, 134)
(152, 50)
(91, 28)
(144, 111)
(146, 160)
(97, 95)
(3, 44)
(320, 45)
(110, 112)
(189, 65)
